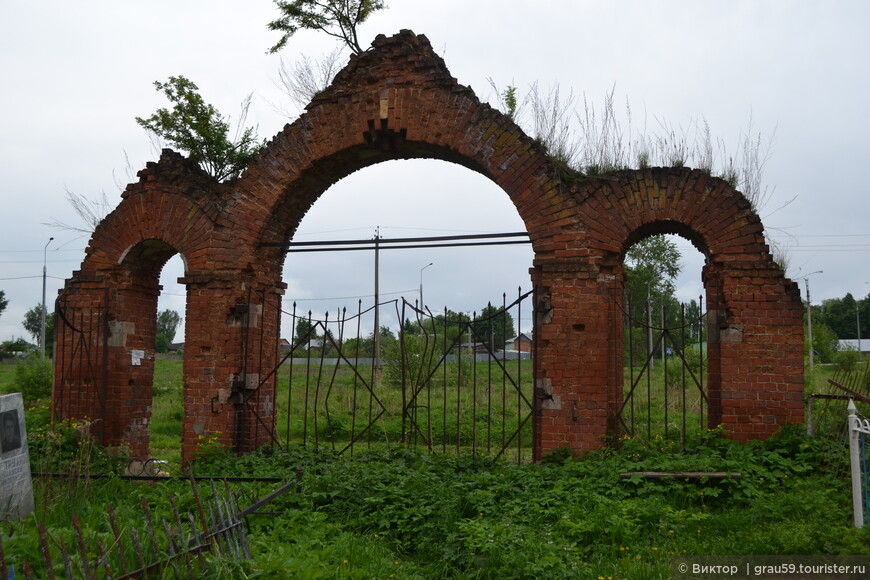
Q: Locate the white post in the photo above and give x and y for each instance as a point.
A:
(855, 461)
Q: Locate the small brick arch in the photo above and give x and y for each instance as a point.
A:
(398, 101)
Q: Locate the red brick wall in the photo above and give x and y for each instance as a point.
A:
(399, 101)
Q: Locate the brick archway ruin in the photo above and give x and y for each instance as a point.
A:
(398, 101)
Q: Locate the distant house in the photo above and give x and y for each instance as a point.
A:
(521, 343)
(315, 343)
(475, 346)
(852, 344)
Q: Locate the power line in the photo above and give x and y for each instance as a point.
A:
(346, 297)
(403, 243)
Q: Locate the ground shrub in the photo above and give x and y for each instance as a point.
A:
(33, 377)
(394, 512)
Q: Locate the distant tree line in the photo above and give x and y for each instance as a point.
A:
(493, 326)
(842, 316)
(167, 325)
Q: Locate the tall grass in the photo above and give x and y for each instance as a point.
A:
(7, 377)
(596, 140)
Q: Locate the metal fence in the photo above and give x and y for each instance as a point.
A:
(446, 383)
(665, 354)
(164, 545)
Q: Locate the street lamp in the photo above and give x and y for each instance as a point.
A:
(42, 320)
(810, 316)
(421, 283)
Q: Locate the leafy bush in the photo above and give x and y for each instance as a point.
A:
(847, 359)
(162, 343)
(33, 376)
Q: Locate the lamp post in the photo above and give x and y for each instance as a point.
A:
(421, 283)
(42, 319)
(810, 316)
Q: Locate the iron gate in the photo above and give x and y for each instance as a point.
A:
(445, 384)
(664, 391)
(81, 369)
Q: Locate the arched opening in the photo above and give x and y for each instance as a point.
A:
(427, 297)
(167, 409)
(153, 427)
(664, 348)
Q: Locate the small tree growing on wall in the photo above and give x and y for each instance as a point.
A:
(197, 128)
(337, 18)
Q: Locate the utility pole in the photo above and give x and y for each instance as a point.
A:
(858, 315)
(42, 320)
(377, 335)
(810, 316)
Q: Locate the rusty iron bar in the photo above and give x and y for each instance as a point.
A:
(219, 527)
(80, 540)
(149, 523)
(43, 548)
(240, 528)
(182, 539)
(198, 500)
(171, 547)
(67, 562)
(252, 509)
(852, 392)
(103, 559)
(199, 547)
(237, 528)
(232, 526)
(28, 572)
(219, 523)
(137, 547)
(119, 543)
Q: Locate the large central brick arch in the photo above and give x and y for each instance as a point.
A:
(398, 101)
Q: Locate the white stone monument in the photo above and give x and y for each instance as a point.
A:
(16, 488)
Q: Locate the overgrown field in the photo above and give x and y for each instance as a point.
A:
(399, 513)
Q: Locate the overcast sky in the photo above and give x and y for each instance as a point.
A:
(75, 74)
